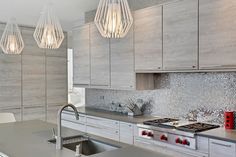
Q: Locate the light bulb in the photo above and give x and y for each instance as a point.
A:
(12, 44)
(48, 37)
(113, 20)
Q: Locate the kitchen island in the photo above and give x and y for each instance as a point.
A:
(30, 139)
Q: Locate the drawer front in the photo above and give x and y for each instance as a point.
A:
(75, 126)
(71, 117)
(219, 148)
(103, 132)
(102, 122)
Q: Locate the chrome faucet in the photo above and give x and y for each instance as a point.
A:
(59, 138)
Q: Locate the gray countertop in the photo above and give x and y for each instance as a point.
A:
(220, 134)
(29, 139)
(113, 115)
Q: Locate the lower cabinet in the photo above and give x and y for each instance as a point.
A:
(126, 133)
(107, 128)
(219, 148)
(103, 127)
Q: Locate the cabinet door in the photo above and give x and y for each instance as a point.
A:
(126, 133)
(100, 58)
(148, 39)
(33, 81)
(122, 63)
(180, 35)
(221, 148)
(10, 81)
(81, 63)
(57, 90)
(217, 34)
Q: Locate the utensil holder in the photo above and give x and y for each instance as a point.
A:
(229, 120)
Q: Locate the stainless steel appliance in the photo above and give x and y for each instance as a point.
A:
(173, 131)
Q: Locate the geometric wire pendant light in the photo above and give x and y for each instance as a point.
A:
(113, 18)
(48, 33)
(11, 41)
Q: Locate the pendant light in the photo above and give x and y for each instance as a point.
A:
(48, 33)
(113, 18)
(11, 41)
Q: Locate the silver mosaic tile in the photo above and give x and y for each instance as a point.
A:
(179, 94)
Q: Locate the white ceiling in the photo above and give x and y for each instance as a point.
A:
(27, 12)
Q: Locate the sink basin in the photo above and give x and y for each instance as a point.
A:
(88, 146)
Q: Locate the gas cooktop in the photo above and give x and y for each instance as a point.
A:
(159, 122)
(181, 125)
(173, 131)
(197, 127)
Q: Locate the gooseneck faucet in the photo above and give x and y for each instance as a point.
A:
(59, 138)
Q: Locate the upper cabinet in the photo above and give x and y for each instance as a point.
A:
(122, 62)
(100, 58)
(180, 35)
(217, 34)
(81, 55)
(148, 39)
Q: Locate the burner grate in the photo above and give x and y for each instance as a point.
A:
(197, 127)
(158, 122)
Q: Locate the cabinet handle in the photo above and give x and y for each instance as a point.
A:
(224, 145)
(219, 66)
(99, 85)
(94, 126)
(81, 84)
(180, 68)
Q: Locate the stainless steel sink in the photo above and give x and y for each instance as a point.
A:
(88, 146)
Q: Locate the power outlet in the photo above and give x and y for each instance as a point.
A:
(102, 97)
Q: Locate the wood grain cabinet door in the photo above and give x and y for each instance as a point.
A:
(122, 63)
(180, 35)
(217, 28)
(100, 58)
(148, 39)
(81, 56)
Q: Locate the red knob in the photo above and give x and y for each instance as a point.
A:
(163, 138)
(144, 133)
(186, 142)
(178, 140)
(150, 134)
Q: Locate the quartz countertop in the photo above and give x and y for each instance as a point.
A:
(29, 139)
(220, 134)
(113, 115)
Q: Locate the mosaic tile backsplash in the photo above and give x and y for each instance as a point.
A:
(194, 96)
